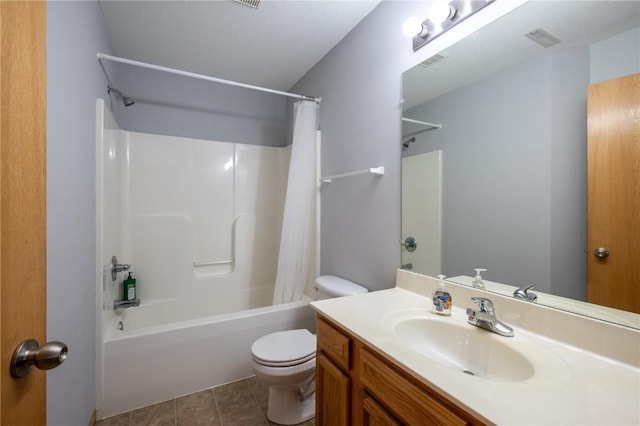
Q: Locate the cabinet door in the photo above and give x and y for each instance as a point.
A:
(373, 414)
(333, 393)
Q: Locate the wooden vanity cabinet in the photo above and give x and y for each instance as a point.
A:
(356, 385)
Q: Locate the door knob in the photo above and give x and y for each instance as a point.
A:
(601, 253)
(29, 354)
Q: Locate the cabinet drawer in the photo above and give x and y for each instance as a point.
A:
(334, 344)
(409, 402)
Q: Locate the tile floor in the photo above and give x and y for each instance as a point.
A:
(241, 403)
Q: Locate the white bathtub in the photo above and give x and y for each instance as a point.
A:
(151, 364)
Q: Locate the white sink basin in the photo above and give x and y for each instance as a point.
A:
(463, 347)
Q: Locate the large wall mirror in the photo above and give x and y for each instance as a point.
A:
(495, 169)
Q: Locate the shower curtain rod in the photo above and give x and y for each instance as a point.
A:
(424, 123)
(104, 56)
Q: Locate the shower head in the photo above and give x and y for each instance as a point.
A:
(406, 143)
(127, 101)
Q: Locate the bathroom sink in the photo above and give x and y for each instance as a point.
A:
(464, 348)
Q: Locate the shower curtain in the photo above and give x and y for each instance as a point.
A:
(297, 240)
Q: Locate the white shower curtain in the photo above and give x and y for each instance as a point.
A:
(297, 241)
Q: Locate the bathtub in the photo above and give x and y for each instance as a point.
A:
(145, 364)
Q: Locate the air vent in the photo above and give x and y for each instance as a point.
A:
(542, 37)
(250, 3)
(434, 60)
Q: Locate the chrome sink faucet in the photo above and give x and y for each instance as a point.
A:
(485, 317)
(523, 293)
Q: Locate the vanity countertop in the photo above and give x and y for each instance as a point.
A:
(571, 385)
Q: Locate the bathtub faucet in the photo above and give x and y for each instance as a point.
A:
(117, 267)
(121, 304)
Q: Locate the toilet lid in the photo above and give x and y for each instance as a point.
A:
(284, 347)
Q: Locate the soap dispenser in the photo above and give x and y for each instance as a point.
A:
(442, 300)
(129, 288)
(477, 280)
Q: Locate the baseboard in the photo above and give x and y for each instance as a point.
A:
(92, 422)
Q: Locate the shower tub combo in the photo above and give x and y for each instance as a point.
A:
(199, 222)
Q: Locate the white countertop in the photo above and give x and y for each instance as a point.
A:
(571, 386)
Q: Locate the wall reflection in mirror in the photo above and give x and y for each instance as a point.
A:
(502, 183)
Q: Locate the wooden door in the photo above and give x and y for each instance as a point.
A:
(22, 203)
(613, 206)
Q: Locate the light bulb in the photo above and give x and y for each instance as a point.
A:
(413, 27)
(440, 11)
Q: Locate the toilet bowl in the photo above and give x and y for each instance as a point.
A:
(286, 361)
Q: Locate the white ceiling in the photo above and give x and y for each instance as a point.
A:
(272, 46)
(502, 44)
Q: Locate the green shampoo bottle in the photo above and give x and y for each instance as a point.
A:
(129, 288)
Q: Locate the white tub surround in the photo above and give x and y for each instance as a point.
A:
(587, 372)
(198, 220)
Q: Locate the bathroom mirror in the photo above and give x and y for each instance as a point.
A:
(507, 149)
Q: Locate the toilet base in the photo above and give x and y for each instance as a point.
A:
(285, 407)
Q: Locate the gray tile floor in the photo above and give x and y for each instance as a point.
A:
(241, 403)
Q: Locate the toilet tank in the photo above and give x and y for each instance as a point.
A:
(329, 286)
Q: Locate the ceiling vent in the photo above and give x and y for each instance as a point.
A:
(542, 37)
(434, 60)
(250, 3)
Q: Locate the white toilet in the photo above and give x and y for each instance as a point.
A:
(286, 361)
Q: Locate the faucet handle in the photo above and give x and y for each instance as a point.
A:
(117, 267)
(485, 305)
(523, 293)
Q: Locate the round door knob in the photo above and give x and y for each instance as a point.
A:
(601, 253)
(29, 354)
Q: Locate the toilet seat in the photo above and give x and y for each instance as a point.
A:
(284, 348)
(290, 363)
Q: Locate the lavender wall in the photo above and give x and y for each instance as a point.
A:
(75, 31)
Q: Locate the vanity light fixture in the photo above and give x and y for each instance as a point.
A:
(413, 27)
(442, 16)
(441, 11)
